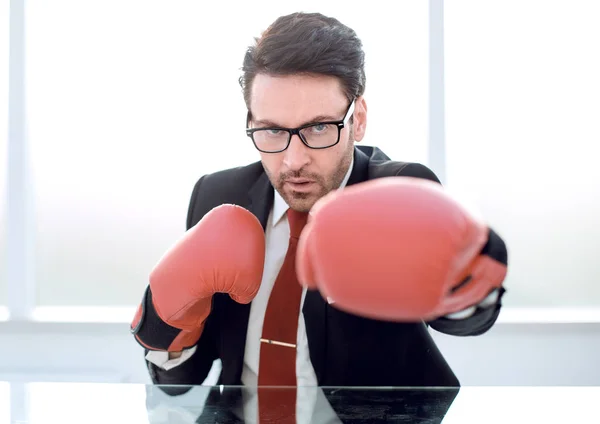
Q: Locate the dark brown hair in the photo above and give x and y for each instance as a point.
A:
(307, 43)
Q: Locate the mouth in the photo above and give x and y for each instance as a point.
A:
(298, 180)
(300, 184)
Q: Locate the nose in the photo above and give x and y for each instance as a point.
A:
(297, 155)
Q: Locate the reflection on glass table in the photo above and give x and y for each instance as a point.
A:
(68, 403)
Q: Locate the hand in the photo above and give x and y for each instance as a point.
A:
(175, 355)
(399, 249)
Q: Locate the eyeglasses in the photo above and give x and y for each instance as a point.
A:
(320, 135)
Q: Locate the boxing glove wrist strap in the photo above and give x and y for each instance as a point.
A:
(485, 276)
(495, 248)
(152, 332)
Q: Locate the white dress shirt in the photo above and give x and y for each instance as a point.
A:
(277, 238)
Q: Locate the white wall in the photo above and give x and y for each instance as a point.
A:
(527, 355)
(544, 354)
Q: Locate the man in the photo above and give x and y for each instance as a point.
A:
(220, 293)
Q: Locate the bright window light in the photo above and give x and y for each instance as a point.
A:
(130, 102)
(4, 28)
(522, 110)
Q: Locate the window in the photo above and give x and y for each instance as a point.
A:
(5, 413)
(523, 139)
(129, 103)
(4, 28)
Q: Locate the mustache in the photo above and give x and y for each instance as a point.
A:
(298, 174)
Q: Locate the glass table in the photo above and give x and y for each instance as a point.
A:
(67, 403)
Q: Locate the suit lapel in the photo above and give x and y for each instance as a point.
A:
(260, 199)
(234, 323)
(360, 172)
(316, 308)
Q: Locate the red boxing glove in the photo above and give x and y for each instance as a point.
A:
(399, 249)
(223, 253)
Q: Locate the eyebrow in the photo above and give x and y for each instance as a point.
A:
(315, 120)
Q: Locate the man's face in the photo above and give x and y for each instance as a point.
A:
(300, 174)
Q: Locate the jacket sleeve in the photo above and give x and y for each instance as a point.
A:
(196, 368)
(478, 319)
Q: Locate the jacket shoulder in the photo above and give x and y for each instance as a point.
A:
(391, 168)
(221, 187)
(417, 170)
(380, 165)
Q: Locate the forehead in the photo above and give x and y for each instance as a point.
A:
(294, 99)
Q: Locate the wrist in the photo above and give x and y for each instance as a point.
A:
(175, 355)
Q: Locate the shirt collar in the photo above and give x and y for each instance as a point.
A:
(280, 207)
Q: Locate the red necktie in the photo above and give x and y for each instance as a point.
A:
(277, 365)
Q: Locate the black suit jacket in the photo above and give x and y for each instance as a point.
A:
(345, 349)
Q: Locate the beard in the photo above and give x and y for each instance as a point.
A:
(303, 201)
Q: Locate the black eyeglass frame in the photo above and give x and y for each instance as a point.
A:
(296, 131)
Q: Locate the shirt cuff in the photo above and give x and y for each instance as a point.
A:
(160, 358)
(490, 300)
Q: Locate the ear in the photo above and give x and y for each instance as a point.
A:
(360, 118)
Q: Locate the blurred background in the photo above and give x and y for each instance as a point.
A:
(111, 110)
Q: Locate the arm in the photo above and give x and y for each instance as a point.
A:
(479, 318)
(424, 255)
(194, 369)
(479, 322)
(222, 253)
